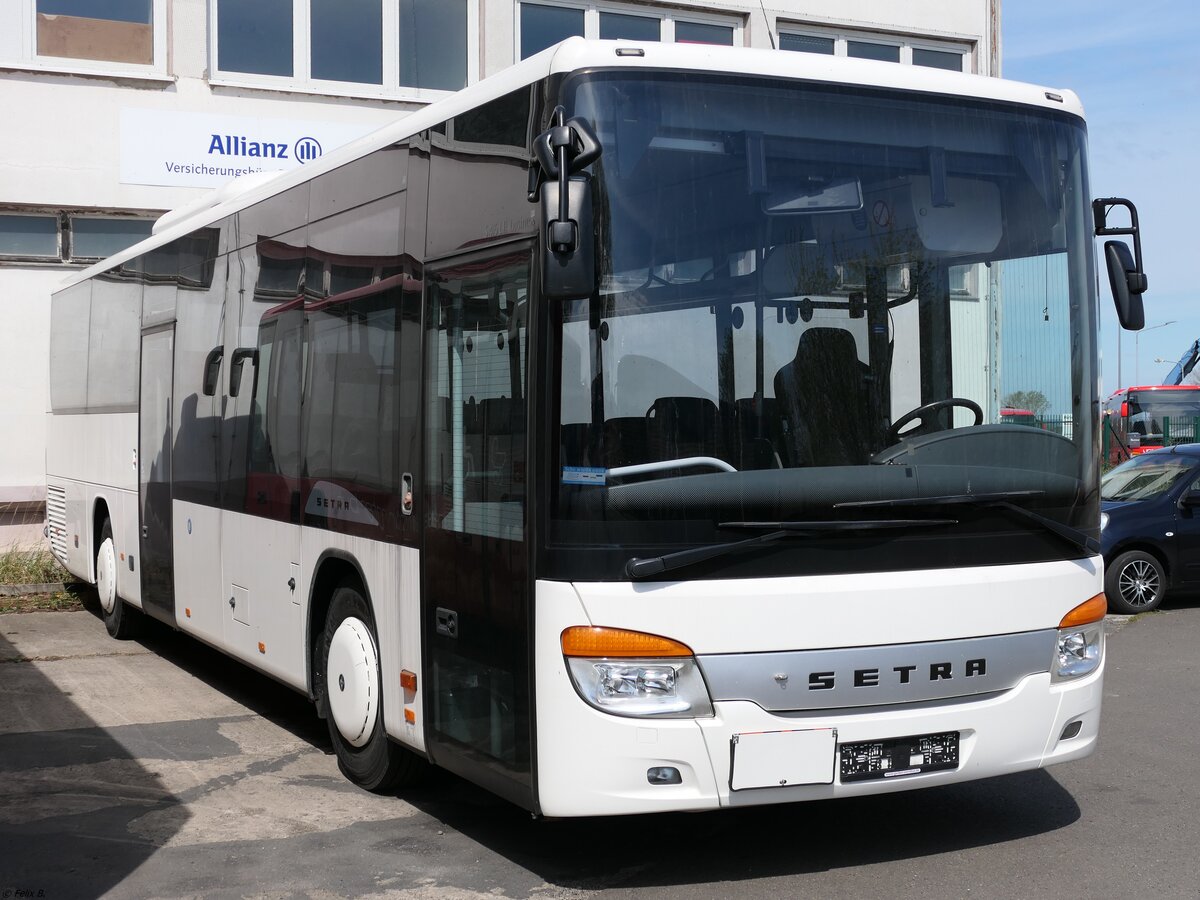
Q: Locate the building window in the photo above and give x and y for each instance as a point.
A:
(122, 36)
(62, 237)
(433, 44)
(937, 59)
(871, 50)
(806, 43)
(29, 236)
(365, 48)
(543, 26)
(347, 40)
(624, 27)
(255, 37)
(703, 33)
(954, 57)
(111, 30)
(96, 238)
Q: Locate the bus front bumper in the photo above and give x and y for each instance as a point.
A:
(592, 763)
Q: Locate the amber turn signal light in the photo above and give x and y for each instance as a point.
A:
(1086, 613)
(617, 643)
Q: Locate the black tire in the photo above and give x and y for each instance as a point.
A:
(122, 620)
(378, 764)
(1135, 582)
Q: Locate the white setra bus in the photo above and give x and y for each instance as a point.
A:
(623, 432)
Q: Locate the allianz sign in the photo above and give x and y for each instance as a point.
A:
(304, 150)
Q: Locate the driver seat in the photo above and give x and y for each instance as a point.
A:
(825, 403)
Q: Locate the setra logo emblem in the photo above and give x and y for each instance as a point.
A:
(307, 149)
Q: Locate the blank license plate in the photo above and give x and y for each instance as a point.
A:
(764, 759)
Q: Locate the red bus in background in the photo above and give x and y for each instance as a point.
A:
(1142, 418)
(1010, 415)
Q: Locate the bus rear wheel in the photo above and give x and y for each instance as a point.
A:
(350, 697)
(122, 621)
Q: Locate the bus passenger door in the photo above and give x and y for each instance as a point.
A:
(155, 435)
(475, 571)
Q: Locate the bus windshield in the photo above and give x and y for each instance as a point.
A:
(1152, 413)
(812, 299)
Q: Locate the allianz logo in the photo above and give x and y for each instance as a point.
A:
(304, 150)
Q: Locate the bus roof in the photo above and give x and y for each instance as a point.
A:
(576, 54)
(1156, 387)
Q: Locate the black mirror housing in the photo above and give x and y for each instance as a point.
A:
(1127, 285)
(212, 370)
(236, 362)
(1126, 276)
(568, 274)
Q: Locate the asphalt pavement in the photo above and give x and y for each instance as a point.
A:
(162, 769)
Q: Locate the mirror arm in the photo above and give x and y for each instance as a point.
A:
(1100, 210)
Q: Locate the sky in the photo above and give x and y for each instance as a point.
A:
(1133, 65)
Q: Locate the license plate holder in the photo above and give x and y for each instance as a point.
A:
(770, 759)
(898, 757)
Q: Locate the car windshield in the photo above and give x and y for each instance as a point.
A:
(811, 296)
(1144, 477)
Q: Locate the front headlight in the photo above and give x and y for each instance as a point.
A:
(1103, 520)
(1080, 645)
(1078, 652)
(627, 673)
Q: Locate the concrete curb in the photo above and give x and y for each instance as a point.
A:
(21, 590)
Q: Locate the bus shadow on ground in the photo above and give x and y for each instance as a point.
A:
(68, 795)
(753, 843)
(261, 695)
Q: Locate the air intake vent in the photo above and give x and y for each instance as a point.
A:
(56, 518)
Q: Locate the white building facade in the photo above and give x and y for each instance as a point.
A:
(118, 110)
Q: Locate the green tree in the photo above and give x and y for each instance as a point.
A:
(1034, 401)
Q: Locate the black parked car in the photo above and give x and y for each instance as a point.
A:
(1150, 527)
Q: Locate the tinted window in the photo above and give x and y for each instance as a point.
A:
(255, 37)
(619, 27)
(109, 10)
(545, 26)
(938, 59)
(867, 50)
(806, 43)
(347, 40)
(29, 236)
(503, 121)
(700, 33)
(433, 44)
(98, 238)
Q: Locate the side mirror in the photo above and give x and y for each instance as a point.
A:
(212, 370)
(1190, 499)
(568, 255)
(1124, 279)
(1126, 276)
(240, 355)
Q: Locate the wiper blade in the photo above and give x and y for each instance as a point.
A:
(656, 565)
(997, 501)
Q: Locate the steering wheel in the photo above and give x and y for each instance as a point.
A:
(926, 414)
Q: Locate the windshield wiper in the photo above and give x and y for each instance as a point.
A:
(996, 501)
(656, 565)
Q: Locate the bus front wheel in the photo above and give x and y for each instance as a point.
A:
(122, 621)
(350, 695)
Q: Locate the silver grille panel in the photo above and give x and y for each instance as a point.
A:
(875, 676)
(56, 519)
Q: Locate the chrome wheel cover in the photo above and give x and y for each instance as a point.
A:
(1138, 583)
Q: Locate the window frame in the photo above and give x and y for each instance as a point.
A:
(301, 80)
(667, 17)
(20, 19)
(907, 43)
